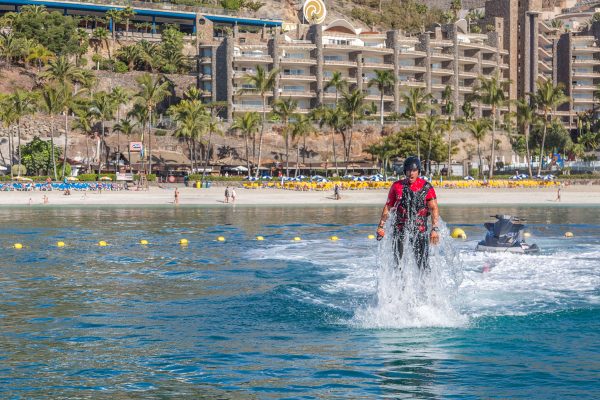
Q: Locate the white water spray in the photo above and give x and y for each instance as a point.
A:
(407, 296)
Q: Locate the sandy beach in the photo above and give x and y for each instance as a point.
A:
(570, 195)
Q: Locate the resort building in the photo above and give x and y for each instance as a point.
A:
(449, 56)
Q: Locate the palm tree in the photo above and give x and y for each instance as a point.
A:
(130, 55)
(479, 129)
(338, 82)
(430, 125)
(262, 82)
(190, 117)
(103, 107)
(115, 17)
(525, 117)
(417, 102)
(337, 120)
(384, 80)
(213, 126)
(547, 98)
(151, 92)
(10, 47)
(8, 118)
(70, 102)
(39, 55)
(248, 124)
(23, 103)
(51, 104)
(63, 72)
(126, 127)
(301, 128)
(127, 13)
(84, 122)
(120, 97)
(99, 36)
(492, 93)
(353, 105)
(284, 109)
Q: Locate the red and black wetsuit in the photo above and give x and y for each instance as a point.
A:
(412, 211)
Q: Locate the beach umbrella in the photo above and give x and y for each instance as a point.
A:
(301, 177)
(316, 177)
(469, 178)
(72, 179)
(23, 179)
(105, 178)
(549, 177)
(515, 177)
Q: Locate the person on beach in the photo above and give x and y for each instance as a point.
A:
(336, 192)
(558, 194)
(227, 194)
(233, 194)
(413, 200)
(176, 196)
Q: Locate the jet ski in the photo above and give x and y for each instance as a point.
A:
(506, 235)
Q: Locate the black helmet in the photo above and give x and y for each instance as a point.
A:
(411, 163)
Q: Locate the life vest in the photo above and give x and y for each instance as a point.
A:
(411, 209)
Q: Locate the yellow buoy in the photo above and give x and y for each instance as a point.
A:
(297, 239)
(568, 234)
(526, 235)
(221, 239)
(333, 238)
(458, 233)
(60, 244)
(18, 246)
(143, 241)
(371, 237)
(260, 238)
(183, 242)
(102, 243)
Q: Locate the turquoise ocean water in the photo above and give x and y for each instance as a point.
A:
(315, 319)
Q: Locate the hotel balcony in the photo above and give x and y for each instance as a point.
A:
(252, 58)
(467, 60)
(297, 93)
(412, 54)
(587, 100)
(297, 61)
(591, 74)
(237, 92)
(297, 78)
(339, 63)
(299, 45)
(413, 83)
(489, 63)
(412, 68)
(583, 87)
(378, 66)
(377, 97)
(205, 60)
(592, 61)
(249, 108)
(544, 53)
(442, 71)
(435, 55)
(585, 50)
(205, 77)
(543, 67)
(468, 74)
(368, 49)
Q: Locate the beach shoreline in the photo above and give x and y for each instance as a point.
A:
(588, 195)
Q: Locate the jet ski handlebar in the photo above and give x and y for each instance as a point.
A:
(505, 216)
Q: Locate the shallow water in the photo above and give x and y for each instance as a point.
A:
(284, 319)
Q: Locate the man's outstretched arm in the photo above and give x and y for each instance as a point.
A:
(434, 237)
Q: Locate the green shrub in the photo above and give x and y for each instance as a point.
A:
(121, 67)
(18, 170)
(149, 177)
(87, 177)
